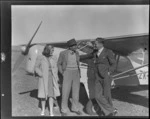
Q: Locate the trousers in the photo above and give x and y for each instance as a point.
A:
(71, 80)
(103, 93)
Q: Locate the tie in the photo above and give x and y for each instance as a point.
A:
(98, 53)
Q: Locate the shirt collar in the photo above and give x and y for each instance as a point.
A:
(71, 52)
(100, 49)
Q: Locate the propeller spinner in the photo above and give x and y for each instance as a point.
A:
(25, 50)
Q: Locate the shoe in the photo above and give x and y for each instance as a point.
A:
(77, 112)
(42, 113)
(115, 112)
(51, 115)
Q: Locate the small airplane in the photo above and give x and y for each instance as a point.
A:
(131, 47)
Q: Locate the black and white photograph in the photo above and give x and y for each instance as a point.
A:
(79, 60)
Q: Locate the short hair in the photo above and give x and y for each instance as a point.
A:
(46, 51)
(100, 40)
(51, 47)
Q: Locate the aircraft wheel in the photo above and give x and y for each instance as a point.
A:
(90, 108)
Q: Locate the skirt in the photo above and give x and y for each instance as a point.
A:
(50, 85)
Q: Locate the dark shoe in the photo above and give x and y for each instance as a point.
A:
(98, 110)
(115, 112)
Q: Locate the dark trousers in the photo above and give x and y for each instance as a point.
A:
(103, 93)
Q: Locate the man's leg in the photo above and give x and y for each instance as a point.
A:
(107, 89)
(66, 87)
(75, 91)
(99, 96)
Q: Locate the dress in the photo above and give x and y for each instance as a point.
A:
(48, 78)
(45, 83)
(54, 74)
(50, 84)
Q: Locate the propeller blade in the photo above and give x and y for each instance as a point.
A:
(22, 57)
(18, 62)
(28, 45)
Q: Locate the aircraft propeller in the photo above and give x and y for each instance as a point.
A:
(25, 50)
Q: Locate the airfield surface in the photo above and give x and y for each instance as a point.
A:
(129, 100)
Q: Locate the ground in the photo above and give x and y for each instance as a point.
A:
(129, 100)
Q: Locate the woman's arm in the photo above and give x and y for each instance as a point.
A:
(59, 63)
(54, 67)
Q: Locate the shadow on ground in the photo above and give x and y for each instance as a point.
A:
(34, 94)
(83, 97)
(124, 93)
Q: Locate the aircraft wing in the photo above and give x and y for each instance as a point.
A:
(80, 43)
(125, 45)
(122, 45)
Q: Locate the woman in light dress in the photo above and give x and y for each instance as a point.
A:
(46, 69)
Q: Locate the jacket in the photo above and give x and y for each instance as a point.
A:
(42, 70)
(63, 59)
(104, 63)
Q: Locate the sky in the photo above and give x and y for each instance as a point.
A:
(64, 22)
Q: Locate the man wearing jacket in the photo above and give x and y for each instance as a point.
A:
(68, 66)
(104, 65)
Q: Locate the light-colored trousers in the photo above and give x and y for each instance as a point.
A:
(71, 79)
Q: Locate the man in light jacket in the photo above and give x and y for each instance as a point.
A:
(68, 66)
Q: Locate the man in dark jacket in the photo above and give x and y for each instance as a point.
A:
(104, 65)
(68, 66)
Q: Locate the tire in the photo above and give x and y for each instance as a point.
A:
(92, 108)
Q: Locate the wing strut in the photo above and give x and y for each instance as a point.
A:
(130, 70)
(117, 57)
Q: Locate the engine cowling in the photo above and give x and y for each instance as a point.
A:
(32, 56)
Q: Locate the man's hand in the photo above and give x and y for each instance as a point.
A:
(89, 44)
(62, 73)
